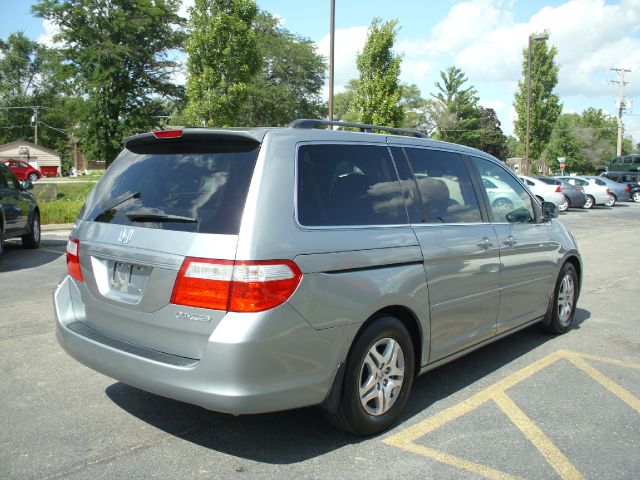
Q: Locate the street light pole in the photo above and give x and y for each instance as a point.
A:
(331, 56)
(532, 37)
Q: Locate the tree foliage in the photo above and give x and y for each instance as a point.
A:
(545, 104)
(377, 93)
(289, 85)
(117, 50)
(492, 139)
(29, 80)
(223, 60)
(457, 109)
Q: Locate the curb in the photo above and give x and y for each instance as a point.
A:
(56, 226)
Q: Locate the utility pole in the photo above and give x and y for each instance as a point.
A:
(621, 83)
(332, 32)
(35, 119)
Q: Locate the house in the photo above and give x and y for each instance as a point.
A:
(42, 158)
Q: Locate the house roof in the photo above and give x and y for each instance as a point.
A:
(20, 143)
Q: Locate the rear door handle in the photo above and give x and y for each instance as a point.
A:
(510, 241)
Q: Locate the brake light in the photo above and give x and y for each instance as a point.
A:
(73, 259)
(558, 189)
(241, 286)
(608, 191)
(626, 187)
(168, 134)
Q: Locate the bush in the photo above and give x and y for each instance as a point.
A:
(69, 200)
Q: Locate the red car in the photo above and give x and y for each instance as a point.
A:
(22, 170)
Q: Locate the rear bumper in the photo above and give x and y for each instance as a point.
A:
(251, 364)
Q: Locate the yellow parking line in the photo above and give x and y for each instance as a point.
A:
(458, 462)
(549, 451)
(619, 391)
(497, 393)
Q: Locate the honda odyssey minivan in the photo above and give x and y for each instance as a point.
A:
(251, 270)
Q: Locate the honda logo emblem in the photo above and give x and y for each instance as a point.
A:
(125, 235)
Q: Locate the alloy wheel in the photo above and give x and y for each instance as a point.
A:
(381, 376)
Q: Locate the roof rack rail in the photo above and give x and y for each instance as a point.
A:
(312, 123)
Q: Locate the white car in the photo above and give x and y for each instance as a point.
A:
(596, 194)
(544, 191)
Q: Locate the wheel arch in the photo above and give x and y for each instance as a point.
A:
(575, 261)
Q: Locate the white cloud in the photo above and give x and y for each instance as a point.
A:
(50, 30)
(348, 42)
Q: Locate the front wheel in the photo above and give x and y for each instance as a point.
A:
(612, 201)
(33, 177)
(378, 378)
(636, 197)
(32, 239)
(562, 307)
(589, 202)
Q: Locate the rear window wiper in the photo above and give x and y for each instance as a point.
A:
(159, 217)
(108, 213)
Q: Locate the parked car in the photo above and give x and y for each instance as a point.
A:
(573, 194)
(619, 191)
(595, 194)
(630, 163)
(19, 211)
(23, 170)
(262, 269)
(631, 179)
(544, 191)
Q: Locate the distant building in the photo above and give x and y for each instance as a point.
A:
(42, 158)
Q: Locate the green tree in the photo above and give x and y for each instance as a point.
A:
(377, 94)
(458, 115)
(118, 52)
(416, 112)
(545, 104)
(564, 143)
(290, 83)
(29, 80)
(492, 139)
(223, 60)
(343, 103)
(515, 147)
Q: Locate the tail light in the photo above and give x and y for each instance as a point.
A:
(73, 259)
(608, 191)
(240, 286)
(168, 134)
(626, 187)
(580, 189)
(558, 189)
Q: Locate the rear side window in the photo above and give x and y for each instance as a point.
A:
(348, 185)
(193, 188)
(445, 186)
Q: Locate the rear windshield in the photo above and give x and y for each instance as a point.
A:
(187, 189)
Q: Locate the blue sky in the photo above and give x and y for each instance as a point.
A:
(484, 38)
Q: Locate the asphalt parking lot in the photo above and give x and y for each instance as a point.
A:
(531, 406)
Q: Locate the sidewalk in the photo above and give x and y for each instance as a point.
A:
(55, 234)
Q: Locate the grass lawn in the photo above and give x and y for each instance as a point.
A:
(61, 202)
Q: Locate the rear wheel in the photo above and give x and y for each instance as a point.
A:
(378, 378)
(636, 197)
(612, 201)
(33, 177)
(32, 239)
(589, 202)
(562, 307)
(564, 205)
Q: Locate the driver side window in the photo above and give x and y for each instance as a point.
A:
(508, 199)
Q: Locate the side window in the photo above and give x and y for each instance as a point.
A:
(3, 178)
(508, 200)
(445, 186)
(341, 184)
(12, 181)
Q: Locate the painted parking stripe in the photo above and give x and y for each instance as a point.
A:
(497, 393)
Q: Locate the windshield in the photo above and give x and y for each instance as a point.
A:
(201, 192)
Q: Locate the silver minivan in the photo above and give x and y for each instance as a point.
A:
(263, 269)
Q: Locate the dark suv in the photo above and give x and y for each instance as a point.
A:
(19, 212)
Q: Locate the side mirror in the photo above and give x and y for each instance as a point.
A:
(549, 211)
(26, 185)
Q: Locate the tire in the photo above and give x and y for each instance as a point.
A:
(636, 197)
(562, 307)
(612, 201)
(564, 206)
(381, 356)
(32, 239)
(589, 202)
(1, 242)
(503, 203)
(33, 177)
